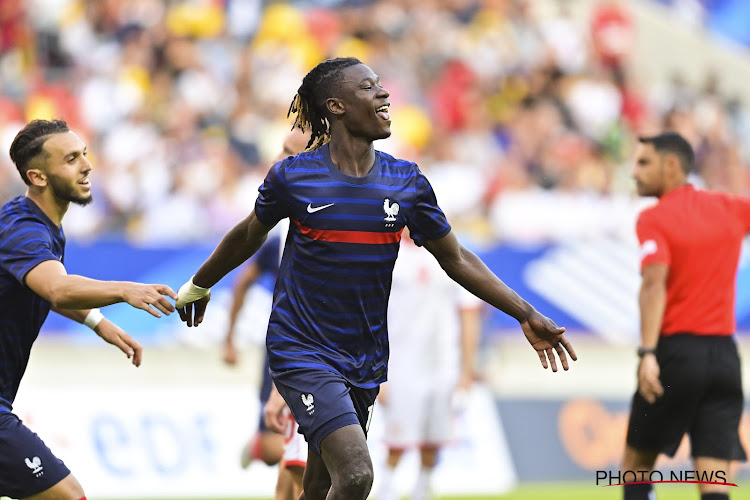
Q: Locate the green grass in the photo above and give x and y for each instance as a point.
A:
(584, 491)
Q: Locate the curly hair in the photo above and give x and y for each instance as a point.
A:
(29, 143)
(310, 102)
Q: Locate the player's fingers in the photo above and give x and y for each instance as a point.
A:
(552, 360)
(147, 307)
(162, 304)
(563, 358)
(189, 313)
(569, 347)
(165, 290)
(165, 305)
(136, 347)
(542, 358)
(181, 312)
(200, 311)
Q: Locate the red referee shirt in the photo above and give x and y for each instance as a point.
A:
(698, 235)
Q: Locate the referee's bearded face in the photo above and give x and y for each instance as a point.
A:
(648, 172)
(68, 168)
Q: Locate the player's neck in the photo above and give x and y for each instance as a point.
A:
(53, 207)
(352, 156)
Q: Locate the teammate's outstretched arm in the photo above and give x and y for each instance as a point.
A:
(51, 281)
(108, 331)
(238, 245)
(469, 271)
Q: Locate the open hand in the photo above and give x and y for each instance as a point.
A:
(116, 336)
(150, 298)
(544, 336)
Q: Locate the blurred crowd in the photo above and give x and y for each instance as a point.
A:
(523, 116)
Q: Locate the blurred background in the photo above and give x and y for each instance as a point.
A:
(523, 115)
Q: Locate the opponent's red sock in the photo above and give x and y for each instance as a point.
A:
(82, 498)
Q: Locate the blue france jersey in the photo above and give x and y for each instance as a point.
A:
(27, 238)
(331, 296)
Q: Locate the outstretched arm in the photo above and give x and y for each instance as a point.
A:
(238, 245)
(470, 272)
(51, 281)
(108, 331)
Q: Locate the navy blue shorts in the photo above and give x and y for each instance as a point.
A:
(27, 466)
(322, 401)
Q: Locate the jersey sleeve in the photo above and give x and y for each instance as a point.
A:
(25, 245)
(426, 222)
(272, 204)
(654, 248)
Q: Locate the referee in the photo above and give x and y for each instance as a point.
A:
(689, 372)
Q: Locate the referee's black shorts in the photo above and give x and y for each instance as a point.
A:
(702, 396)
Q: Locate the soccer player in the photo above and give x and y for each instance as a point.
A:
(433, 330)
(52, 162)
(689, 376)
(348, 203)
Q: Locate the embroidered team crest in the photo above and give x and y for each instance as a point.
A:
(391, 211)
(308, 400)
(35, 464)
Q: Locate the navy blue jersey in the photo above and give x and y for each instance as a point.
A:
(27, 238)
(331, 296)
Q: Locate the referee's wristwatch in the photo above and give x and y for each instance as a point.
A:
(642, 351)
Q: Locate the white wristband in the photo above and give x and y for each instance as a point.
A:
(189, 292)
(93, 318)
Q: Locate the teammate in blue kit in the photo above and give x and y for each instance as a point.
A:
(348, 204)
(52, 162)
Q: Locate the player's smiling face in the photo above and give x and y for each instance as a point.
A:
(365, 103)
(67, 168)
(648, 172)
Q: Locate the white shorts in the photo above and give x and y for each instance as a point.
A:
(295, 446)
(418, 415)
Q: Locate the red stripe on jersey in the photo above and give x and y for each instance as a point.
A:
(349, 236)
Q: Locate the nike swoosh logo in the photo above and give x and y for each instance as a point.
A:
(311, 210)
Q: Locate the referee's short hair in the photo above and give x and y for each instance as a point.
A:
(672, 142)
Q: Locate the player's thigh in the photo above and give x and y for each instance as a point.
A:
(346, 454)
(67, 489)
(316, 480)
(27, 465)
(322, 401)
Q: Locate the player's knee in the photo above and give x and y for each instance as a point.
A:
(356, 481)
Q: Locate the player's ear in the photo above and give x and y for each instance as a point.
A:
(335, 105)
(672, 162)
(36, 177)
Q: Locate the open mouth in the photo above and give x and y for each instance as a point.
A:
(382, 112)
(85, 182)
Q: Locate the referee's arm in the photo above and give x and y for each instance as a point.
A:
(652, 300)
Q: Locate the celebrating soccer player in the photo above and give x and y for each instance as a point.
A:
(52, 162)
(348, 204)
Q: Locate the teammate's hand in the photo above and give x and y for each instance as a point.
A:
(191, 303)
(230, 353)
(150, 298)
(116, 336)
(276, 412)
(544, 336)
(649, 384)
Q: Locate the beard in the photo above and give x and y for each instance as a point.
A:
(63, 190)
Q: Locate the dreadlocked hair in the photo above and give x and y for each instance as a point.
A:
(310, 102)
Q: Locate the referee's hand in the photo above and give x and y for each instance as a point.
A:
(544, 336)
(649, 384)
